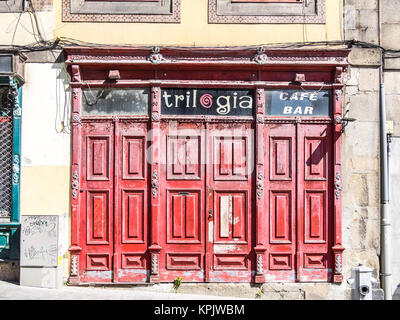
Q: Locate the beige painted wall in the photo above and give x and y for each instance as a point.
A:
(17, 28)
(194, 29)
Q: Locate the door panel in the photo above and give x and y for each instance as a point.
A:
(96, 209)
(315, 201)
(298, 160)
(182, 229)
(207, 195)
(229, 202)
(280, 201)
(131, 202)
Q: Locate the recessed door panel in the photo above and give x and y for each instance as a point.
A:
(315, 152)
(98, 158)
(133, 160)
(280, 200)
(182, 209)
(281, 217)
(229, 202)
(298, 160)
(230, 222)
(230, 159)
(131, 202)
(184, 157)
(133, 214)
(314, 201)
(183, 220)
(97, 201)
(281, 155)
(98, 217)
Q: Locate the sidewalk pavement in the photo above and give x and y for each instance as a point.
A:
(13, 291)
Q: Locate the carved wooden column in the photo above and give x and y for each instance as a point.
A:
(75, 249)
(337, 114)
(260, 247)
(155, 247)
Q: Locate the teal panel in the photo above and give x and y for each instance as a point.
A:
(9, 232)
(4, 240)
(9, 241)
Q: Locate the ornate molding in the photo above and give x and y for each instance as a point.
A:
(260, 185)
(260, 57)
(338, 264)
(260, 264)
(338, 94)
(338, 185)
(172, 17)
(216, 17)
(156, 57)
(75, 93)
(74, 265)
(17, 111)
(75, 184)
(154, 263)
(260, 93)
(75, 73)
(16, 169)
(154, 184)
(218, 56)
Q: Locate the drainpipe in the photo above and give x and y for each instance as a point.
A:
(385, 218)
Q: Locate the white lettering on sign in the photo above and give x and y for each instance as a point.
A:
(298, 96)
(223, 104)
(298, 110)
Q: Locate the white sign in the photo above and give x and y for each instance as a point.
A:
(39, 241)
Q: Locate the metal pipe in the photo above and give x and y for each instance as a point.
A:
(386, 275)
(385, 218)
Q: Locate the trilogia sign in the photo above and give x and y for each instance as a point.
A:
(207, 102)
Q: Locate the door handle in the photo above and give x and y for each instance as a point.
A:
(210, 215)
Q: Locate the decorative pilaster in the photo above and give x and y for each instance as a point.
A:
(74, 249)
(337, 128)
(260, 247)
(16, 157)
(155, 247)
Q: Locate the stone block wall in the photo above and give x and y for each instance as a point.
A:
(361, 149)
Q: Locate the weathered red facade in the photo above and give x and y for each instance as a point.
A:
(222, 198)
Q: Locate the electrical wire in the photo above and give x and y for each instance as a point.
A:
(64, 42)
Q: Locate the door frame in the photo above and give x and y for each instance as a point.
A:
(322, 69)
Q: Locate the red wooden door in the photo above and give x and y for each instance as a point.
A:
(315, 202)
(97, 201)
(182, 201)
(230, 165)
(131, 202)
(298, 173)
(206, 202)
(280, 200)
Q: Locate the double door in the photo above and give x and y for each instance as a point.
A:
(204, 214)
(114, 203)
(208, 217)
(207, 202)
(298, 202)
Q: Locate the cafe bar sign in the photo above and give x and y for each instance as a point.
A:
(214, 102)
(298, 103)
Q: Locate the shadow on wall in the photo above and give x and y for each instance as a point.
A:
(396, 293)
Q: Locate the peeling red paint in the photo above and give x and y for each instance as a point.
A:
(267, 210)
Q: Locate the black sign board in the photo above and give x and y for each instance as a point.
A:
(298, 102)
(214, 102)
